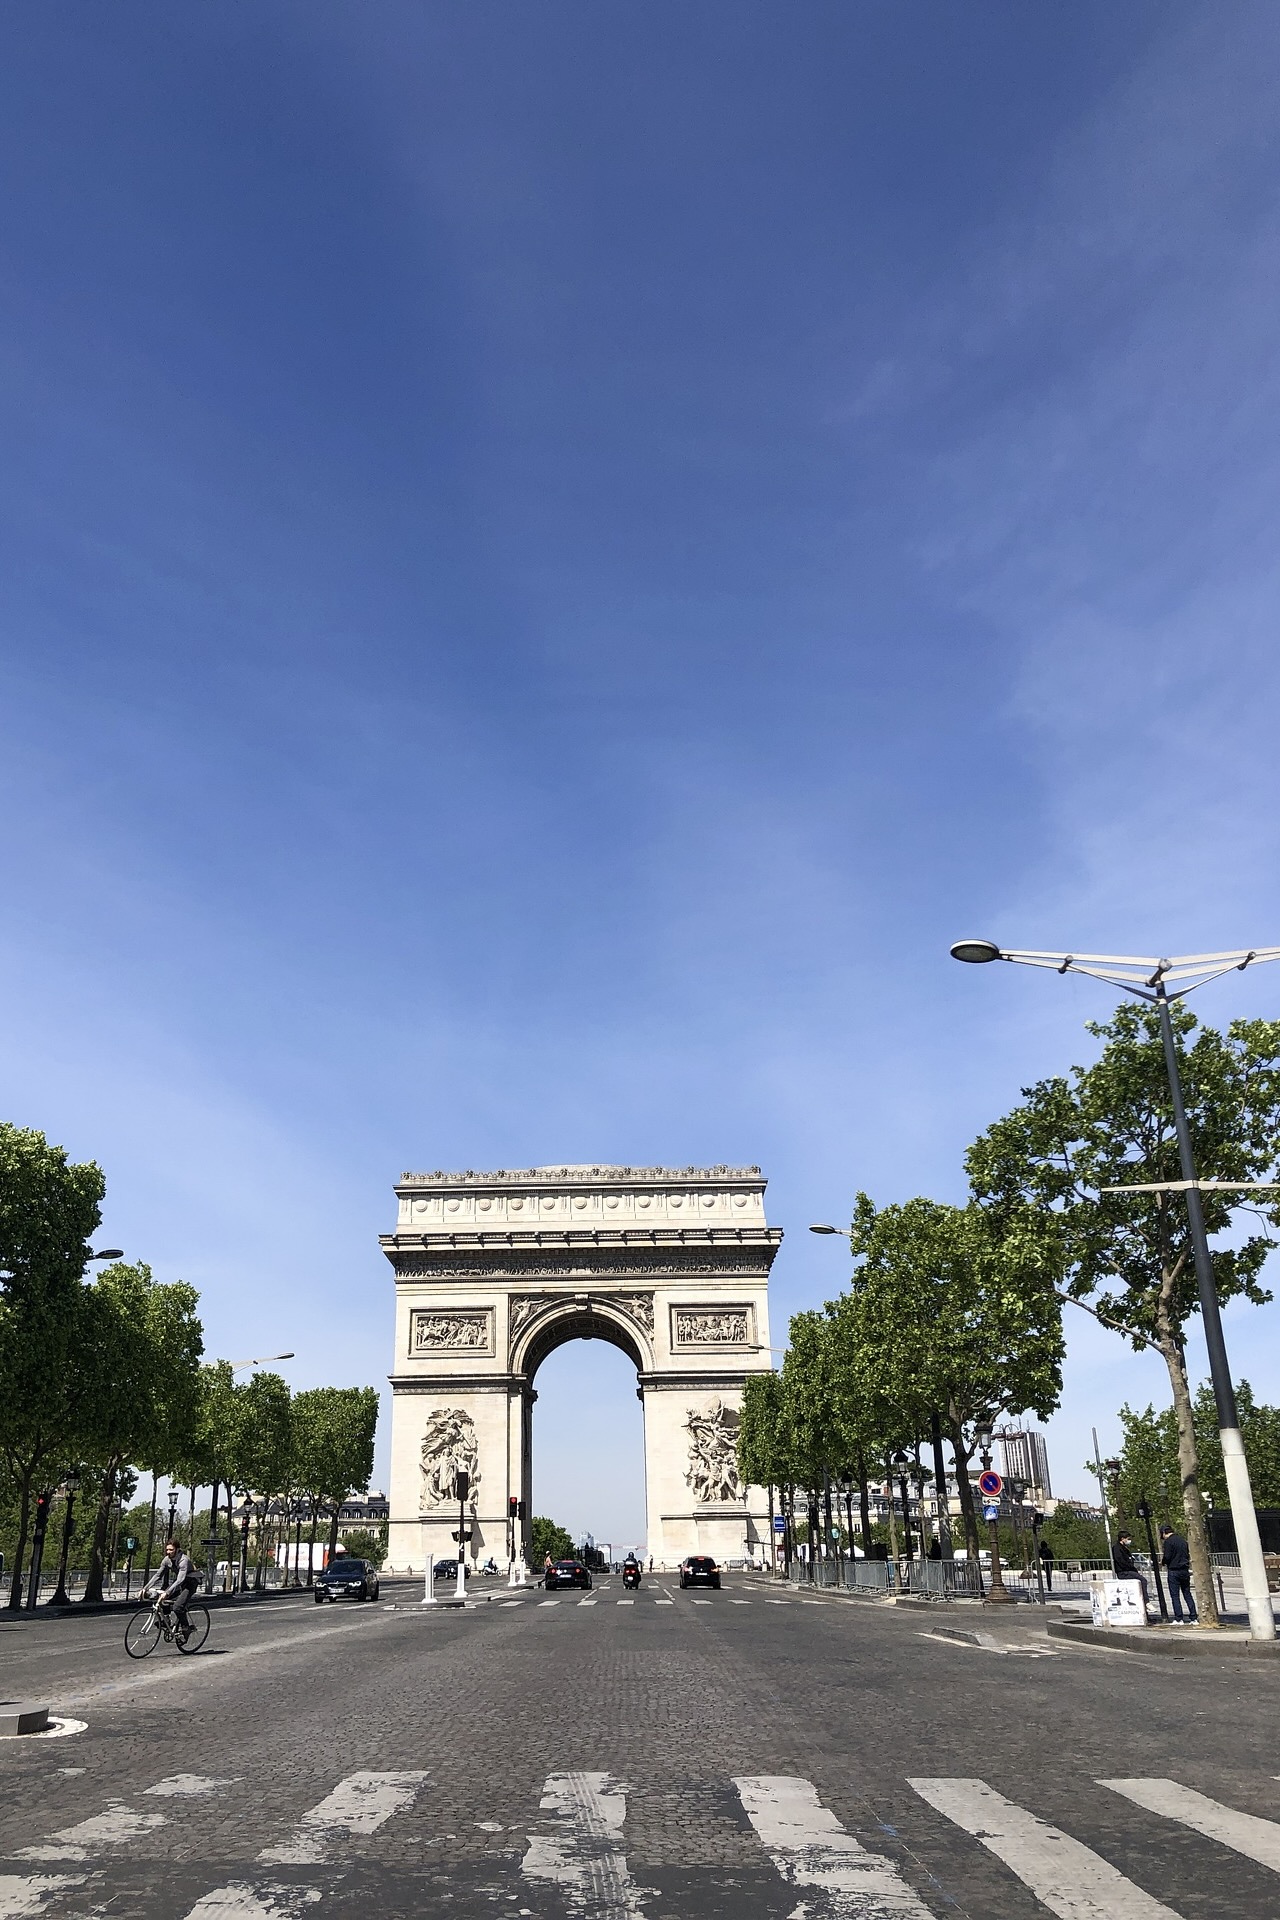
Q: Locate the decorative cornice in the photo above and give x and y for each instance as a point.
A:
(517, 1240)
(468, 1264)
(582, 1176)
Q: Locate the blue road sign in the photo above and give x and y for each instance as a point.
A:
(779, 1524)
(991, 1509)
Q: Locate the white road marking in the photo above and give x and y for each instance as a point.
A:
(548, 1603)
(509, 1603)
(1065, 1876)
(664, 1603)
(741, 1603)
(777, 1603)
(358, 1805)
(626, 1603)
(180, 1785)
(110, 1829)
(240, 1901)
(22, 1893)
(586, 1603)
(702, 1603)
(583, 1856)
(1246, 1833)
(810, 1848)
(175, 1674)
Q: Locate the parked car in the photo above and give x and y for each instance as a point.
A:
(346, 1578)
(699, 1570)
(566, 1573)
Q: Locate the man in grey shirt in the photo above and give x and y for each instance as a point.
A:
(176, 1580)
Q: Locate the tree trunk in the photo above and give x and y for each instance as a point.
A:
(1189, 1468)
(864, 1506)
(102, 1520)
(964, 1486)
(893, 1530)
(24, 1523)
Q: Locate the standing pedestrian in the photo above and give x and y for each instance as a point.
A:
(1046, 1561)
(1126, 1566)
(1176, 1555)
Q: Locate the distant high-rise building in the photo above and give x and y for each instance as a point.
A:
(1024, 1456)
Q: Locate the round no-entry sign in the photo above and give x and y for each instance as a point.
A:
(991, 1485)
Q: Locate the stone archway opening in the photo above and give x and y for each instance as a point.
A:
(587, 1442)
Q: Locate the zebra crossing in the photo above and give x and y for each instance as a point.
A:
(575, 1849)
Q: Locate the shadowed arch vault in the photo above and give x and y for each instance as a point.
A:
(495, 1271)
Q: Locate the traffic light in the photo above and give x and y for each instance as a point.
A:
(43, 1502)
(513, 1506)
(461, 1484)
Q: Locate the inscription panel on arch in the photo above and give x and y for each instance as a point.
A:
(717, 1325)
(452, 1330)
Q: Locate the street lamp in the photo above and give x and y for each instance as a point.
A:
(70, 1486)
(1149, 980)
(901, 1462)
(998, 1594)
(244, 1516)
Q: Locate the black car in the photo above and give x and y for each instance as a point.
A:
(566, 1573)
(699, 1570)
(445, 1570)
(346, 1578)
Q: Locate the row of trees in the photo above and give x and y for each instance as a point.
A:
(106, 1374)
(953, 1315)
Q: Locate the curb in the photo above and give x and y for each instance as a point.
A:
(1189, 1643)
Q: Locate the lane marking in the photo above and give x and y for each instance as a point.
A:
(1245, 1833)
(548, 1603)
(181, 1785)
(22, 1893)
(174, 1672)
(626, 1603)
(810, 1848)
(588, 1603)
(108, 1829)
(702, 1603)
(1064, 1875)
(358, 1805)
(744, 1603)
(664, 1603)
(582, 1856)
(240, 1901)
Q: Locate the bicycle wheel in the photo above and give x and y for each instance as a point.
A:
(142, 1635)
(199, 1619)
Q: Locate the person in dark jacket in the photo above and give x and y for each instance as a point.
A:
(1176, 1555)
(1126, 1566)
(1046, 1561)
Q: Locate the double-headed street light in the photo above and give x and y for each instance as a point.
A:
(1150, 979)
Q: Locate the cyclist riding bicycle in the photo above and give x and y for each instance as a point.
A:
(177, 1570)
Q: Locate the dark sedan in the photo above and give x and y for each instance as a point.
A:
(566, 1573)
(445, 1570)
(346, 1579)
(699, 1570)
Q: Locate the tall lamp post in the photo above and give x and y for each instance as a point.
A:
(70, 1486)
(1150, 980)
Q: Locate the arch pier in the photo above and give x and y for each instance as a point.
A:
(494, 1271)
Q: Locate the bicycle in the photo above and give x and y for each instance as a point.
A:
(156, 1622)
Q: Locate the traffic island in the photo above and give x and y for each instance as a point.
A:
(22, 1716)
(1184, 1642)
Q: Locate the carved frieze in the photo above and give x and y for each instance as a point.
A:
(712, 1473)
(464, 1329)
(525, 1305)
(448, 1448)
(711, 1326)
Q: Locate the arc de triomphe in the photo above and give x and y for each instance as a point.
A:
(494, 1271)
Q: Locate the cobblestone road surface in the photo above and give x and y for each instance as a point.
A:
(683, 1756)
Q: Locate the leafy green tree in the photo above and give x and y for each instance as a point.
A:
(333, 1439)
(953, 1308)
(1149, 1468)
(1130, 1254)
(366, 1544)
(548, 1537)
(142, 1344)
(49, 1207)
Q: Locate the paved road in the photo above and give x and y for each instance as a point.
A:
(676, 1757)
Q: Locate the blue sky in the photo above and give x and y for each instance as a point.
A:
(555, 557)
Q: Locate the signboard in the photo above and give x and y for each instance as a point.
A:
(991, 1509)
(779, 1524)
(991, 1485)
(1118, 1603)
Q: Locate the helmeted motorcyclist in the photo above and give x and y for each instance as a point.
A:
(631, 1571)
